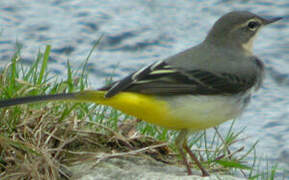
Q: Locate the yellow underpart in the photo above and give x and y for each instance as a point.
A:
(175, 113)
(144, 107)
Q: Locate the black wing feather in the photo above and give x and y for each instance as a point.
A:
(162, 79)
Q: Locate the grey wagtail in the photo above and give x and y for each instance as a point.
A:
(196, 89)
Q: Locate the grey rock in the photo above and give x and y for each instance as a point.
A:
(137, 167)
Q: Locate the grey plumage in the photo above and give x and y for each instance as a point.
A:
(221, 65)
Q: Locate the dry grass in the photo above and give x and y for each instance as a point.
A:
(42, 147)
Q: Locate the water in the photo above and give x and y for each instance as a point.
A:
(139, 32)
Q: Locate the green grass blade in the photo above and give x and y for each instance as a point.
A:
(44, 64)
(232, 164)
(69, 77)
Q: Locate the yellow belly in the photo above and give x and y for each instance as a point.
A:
(177, 112)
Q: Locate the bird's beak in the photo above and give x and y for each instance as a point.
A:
(270, 20)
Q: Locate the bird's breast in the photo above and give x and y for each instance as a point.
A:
(201, 112)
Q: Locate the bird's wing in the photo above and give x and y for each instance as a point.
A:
(162, 79)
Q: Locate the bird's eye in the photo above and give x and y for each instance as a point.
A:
(253, 25)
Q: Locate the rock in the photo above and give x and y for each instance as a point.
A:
(137, 167)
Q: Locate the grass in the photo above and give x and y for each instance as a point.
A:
(41, 140)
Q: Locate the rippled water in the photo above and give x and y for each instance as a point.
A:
(138, 32)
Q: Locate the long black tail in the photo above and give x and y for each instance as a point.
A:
(31, 99)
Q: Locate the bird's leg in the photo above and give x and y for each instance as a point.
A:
(179, 143)
(204, 171)
(185, 161)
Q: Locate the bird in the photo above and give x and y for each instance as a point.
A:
(196, 89)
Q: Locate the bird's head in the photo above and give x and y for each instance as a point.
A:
(237, 29)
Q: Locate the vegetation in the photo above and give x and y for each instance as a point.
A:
(41, 140)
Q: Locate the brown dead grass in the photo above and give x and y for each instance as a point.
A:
(42, 147)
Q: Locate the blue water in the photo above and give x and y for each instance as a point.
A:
(138, 32)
